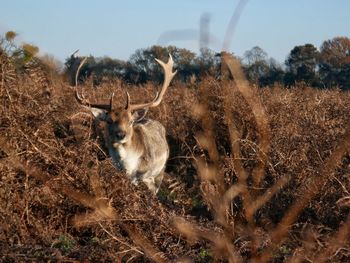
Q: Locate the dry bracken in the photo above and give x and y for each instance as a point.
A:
(259, 175)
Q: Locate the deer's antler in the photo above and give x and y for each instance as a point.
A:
(81, 99)
(168, 76)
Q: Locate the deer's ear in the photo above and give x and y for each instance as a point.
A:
(99, 114)
(139, 115)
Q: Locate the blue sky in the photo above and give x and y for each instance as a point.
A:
(117, 28)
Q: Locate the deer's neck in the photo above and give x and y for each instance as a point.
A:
(127, 156)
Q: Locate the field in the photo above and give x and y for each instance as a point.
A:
(255, 175)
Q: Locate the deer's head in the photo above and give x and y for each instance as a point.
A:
(120, 121)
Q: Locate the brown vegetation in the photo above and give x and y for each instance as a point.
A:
(254, 175)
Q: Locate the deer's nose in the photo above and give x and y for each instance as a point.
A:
(120, 135)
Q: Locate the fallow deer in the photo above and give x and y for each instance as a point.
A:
(136, 145)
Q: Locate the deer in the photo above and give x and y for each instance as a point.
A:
(137, 145)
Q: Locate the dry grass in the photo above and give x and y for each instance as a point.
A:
(259, 175)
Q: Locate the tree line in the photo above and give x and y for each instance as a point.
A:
(324, 67)
(142, 67)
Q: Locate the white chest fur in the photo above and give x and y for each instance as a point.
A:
(127, 158)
